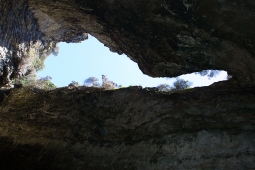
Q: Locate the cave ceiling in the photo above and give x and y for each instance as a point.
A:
(167, 38)
(130, 128)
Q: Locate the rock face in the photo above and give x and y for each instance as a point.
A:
(166, 38)
(133, 128)
(23, 41)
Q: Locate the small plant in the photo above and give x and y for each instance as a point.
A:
(38, 57)
(91, 81)
(179, 84)
(38, 63)
(164, 87)
(28, 80)
(208, 73)
(31, 81)
(45, 83)
(106, 84)
(74, 83)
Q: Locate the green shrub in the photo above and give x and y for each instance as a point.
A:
(106, 84)
(74, 83)
(28, 80)
(31, 81)
(179, 84)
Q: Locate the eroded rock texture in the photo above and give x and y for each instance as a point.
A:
(134, 128)
(18, 29)
(165, 38)
(22, 42)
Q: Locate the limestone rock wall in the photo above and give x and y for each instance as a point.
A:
(88, 128)
(18, 30)
(22, 40)
(132, 128)
(166, 38)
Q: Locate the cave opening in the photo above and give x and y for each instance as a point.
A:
(76, 62)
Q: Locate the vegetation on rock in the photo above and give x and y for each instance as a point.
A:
(92, 81)
(179, 84)
(208, 73)
(106, 84)
(31, 81)
(34, 62)
(74, 83)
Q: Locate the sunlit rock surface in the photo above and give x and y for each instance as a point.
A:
(133, 128)
(23, 40)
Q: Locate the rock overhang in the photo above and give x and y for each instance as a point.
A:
(95, 129)
(165, 38)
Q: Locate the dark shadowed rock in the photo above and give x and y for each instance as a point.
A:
(164, 37)
(130, 128)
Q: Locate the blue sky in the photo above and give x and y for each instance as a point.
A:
(90, 58)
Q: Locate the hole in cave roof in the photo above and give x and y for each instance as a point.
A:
(90, 58)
